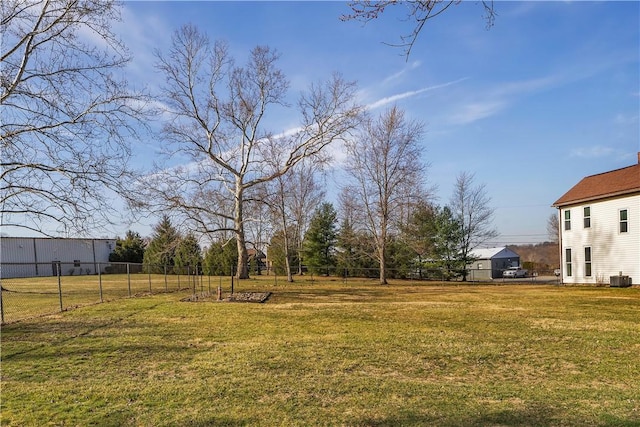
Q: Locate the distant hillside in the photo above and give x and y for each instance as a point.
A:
(545, 255)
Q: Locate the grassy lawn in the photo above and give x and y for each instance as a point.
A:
(328, 353)
(36, 296)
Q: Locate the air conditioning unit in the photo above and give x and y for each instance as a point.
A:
(619, 281)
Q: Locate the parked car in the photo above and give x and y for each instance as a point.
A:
(514, 272)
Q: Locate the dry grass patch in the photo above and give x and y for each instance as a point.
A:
(330, 353)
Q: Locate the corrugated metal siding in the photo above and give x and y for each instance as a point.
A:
(612, 252)
(17, 250)
(30, 257)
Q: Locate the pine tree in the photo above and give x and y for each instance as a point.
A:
(188, 254)
(320, 240)
(161, 250)
(220, 259)
(354, 249)
(447, 242)
(129, 249)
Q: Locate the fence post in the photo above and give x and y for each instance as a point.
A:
(166, 288)
(58, 268)
(189, 279)
(1, 304)
(149, 274)
(232, 274)
(100, 281)
(129, 280)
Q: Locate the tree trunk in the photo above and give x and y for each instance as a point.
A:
(287, 261)
(243, 258)
(383, 262)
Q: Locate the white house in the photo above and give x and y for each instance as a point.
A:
(35, 256)
(491, 262)
(599, 227)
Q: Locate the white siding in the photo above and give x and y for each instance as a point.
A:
(612, 252)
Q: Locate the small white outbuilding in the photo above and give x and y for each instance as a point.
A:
(491, 262)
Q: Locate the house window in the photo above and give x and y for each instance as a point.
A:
(567, 220)
(587, 261)
(587, 217)
(624, 221)
(567, 259)
(76, 263)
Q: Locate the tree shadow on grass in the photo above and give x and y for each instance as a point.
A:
(58, 333)
(535, 415)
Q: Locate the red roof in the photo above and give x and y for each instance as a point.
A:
(608, 184)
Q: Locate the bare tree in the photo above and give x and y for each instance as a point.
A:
(385, 166)
(471, 206)
(292, 199)
(218, 116)
(67, 117)
(306, 195)
(553, 228)
(417, 14)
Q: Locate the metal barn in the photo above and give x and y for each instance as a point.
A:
(491, 262)
(36, 256)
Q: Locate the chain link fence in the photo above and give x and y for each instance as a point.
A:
(38, 289)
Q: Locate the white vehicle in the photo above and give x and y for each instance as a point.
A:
(514, 272)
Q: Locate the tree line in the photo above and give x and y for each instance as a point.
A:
(70, 116)
(431, 238)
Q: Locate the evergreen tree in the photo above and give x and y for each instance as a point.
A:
(447, 243)
(220, 258)
(162, 248)
(129, 249)
(320, 240)
(419, 234)
(401, 258)
(353, 252)
(188, 254)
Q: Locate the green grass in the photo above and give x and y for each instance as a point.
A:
(329, 353)
(23, 298)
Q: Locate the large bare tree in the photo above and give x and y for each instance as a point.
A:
(471, 206)
(553, 229)
(218, 115)
(67, 115)
(416, 14)
(292, 199)
(386, 171)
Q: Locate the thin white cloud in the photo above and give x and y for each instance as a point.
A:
(626, 119)
(497, 98)
(593, 152)
(476, 111)
(394, 98)
(397, 76)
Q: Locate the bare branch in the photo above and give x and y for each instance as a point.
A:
(386, 171)
(68, 115)
(417, 14)
(219, 118)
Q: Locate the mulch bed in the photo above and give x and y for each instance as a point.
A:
(258, 297)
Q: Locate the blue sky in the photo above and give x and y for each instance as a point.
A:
(548, 95)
